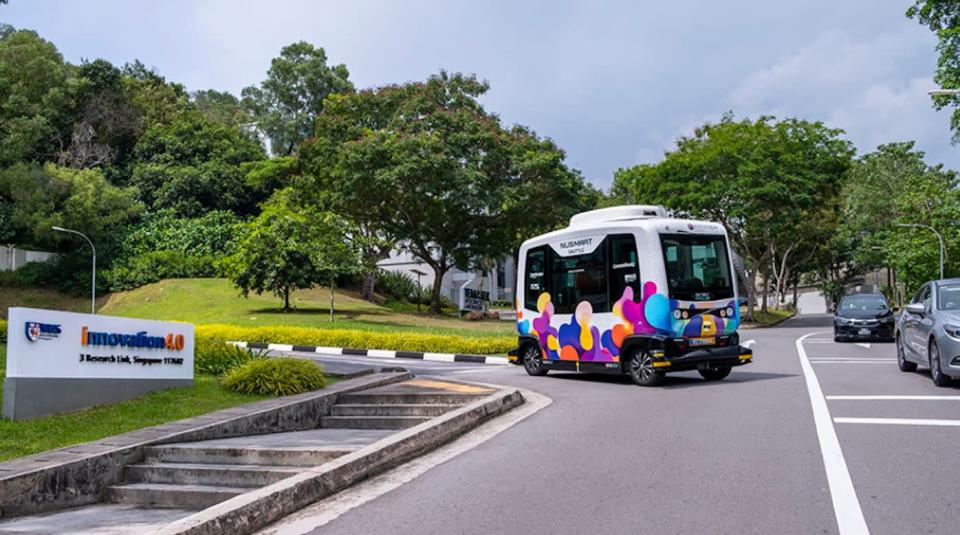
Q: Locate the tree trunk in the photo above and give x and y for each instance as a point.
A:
(766, 288)
(286, 299)
(796, 308)
(333, 282)
(751, 293)
(438, 273)
(368, 285)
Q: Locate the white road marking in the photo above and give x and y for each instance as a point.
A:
(894, 398)
(856, 359)
(325, 511)
(885, 363)
(749, 343)
(846, 506)
(863, 345)
(898, 421)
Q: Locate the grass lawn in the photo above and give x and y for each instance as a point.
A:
(41, 434)
(216, 301)
(770, 317)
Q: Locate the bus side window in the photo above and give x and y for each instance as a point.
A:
(624, 267)
(578, 278)
(534, 279)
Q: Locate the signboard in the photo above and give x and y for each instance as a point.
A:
(475, 299)
(55, 344)
(570, 246)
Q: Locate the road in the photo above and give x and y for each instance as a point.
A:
(745, 455)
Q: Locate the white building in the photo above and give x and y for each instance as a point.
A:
(499, 282)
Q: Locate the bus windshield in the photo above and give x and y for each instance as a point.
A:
(697, 267)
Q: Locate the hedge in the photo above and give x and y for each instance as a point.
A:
(401, 341)
(3, 331)
(276, 377)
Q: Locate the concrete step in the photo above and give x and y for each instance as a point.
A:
(183, 453)
(380, 409)
(168, 495)
(384, 398)
(223, 475)
(371, 422)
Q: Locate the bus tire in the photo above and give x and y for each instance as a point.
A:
(533, 360)
(715, 374)
(640, 368)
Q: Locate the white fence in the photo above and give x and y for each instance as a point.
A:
(12, 258)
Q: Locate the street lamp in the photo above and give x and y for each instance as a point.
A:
(93, 271)
(419, 288)
(943, 92)
(939, 237)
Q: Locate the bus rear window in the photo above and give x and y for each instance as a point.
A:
(698, 268)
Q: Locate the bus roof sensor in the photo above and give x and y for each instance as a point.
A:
(618, 213)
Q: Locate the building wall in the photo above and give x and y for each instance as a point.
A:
(499, 281)
(12, 258)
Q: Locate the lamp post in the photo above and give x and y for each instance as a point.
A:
(943, 92)
(939, 238)
(93, 271)
(419, 274)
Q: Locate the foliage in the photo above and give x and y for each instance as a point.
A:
(193, 165)
(287, 248)
(34, 98)
(209, 235)
(276, 377)
(3, 331)
(134, 272)
(423, 165)
(221, 107)
(772, 184)
(214, 357)
(943, 17)
(396, 284)
(893, 186)
(56, 196)
(287, 103)
(394, 339)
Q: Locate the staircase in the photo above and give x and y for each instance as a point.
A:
(391, 410)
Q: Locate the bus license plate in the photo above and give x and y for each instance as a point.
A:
(703, 341)
(864, 331)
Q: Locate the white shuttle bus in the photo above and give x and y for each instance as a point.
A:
(629, 290)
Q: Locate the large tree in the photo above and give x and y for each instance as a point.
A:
(193, 165)
(943, 17)
(425, 166)
(287, 103)
(764, 180)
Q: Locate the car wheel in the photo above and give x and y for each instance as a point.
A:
(641, 370)
(714, 374)
(905, 365)
(936, 373)
(533, 360)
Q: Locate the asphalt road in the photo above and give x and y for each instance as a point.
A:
(745, 455)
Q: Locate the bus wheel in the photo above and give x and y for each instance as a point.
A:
(641, 370)
(714, 374)
(533, 361)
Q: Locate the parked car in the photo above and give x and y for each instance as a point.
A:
(928, 332)
(863, 317)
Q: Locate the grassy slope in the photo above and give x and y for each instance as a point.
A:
(216, 301)
(770, 317)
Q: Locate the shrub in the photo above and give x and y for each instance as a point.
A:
(276, 377)
(396, 284)
(402, 341)
(215, 357)
(3, 331)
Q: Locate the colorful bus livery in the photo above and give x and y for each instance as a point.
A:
(629, 290)
(172, 341)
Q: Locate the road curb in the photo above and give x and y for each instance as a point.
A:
(378, 353)
(256, 509)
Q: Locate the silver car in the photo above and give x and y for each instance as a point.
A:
(928, 331)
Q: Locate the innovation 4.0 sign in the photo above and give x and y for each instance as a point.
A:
(54, 357)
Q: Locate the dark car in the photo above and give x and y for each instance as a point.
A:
(863, 317)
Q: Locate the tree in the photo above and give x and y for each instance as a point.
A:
(42, 197)
(193, 165)
(287, 248)
(287, 103)
(221, 107)
(34, 98)
(943, 17)
(763, 180)
(424, 166)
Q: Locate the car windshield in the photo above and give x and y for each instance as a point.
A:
(697, 267)
(863, 303)
(950, 297)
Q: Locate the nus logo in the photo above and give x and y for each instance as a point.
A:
(40, 331)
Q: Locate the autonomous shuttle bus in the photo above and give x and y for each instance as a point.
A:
(629, 290)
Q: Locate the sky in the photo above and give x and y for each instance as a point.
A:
(614, 83)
